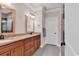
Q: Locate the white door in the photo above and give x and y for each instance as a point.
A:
(52, 30)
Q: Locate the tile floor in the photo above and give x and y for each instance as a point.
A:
(49, 50)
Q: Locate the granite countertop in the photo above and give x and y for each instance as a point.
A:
(16, 38)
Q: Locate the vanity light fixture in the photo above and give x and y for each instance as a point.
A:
(30, 14)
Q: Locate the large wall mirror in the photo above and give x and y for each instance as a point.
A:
(7, 19)
(29, 23)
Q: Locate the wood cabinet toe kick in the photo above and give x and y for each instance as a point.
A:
(24, 47)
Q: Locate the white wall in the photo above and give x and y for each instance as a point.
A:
(39, 23)
(20, 18)
(21, 11)
(72, 28)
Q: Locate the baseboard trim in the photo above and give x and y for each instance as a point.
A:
(42, 45)
(59, 45)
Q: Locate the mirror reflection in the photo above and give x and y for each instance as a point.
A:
(6, 20)
(30, 22)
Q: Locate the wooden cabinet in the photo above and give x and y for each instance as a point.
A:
(5, 54)
(36, 42)
(29, 46)
(25, 47)
(17, 51)
(27, 53)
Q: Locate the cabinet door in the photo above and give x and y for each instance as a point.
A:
(27, 53)
(36, 42)
(29, 47)
(5, 54)
(28, 43)
(32, 50)
(17, 51)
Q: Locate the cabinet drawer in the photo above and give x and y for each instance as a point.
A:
(36, 37)
(17, 44)
(27, 40)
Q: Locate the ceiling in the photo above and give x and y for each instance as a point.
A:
(46, 5)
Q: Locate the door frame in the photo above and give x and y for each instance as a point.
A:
(63, 27)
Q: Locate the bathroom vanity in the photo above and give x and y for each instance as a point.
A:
(24, 45)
